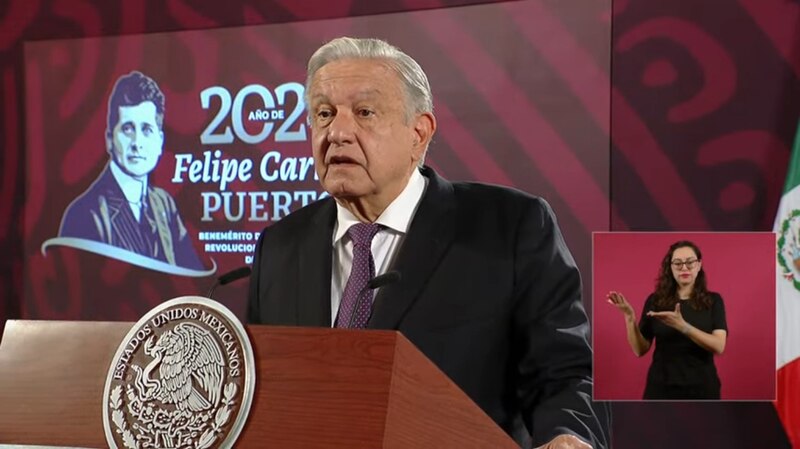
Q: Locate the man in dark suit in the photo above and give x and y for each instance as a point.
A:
(488, 289)
(121, 208)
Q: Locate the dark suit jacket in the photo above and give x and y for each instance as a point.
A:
(102, 214)
(489, 292)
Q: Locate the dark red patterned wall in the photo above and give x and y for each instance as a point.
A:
(705, 103)
(705, 100)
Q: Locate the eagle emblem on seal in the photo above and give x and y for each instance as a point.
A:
(176, 381)
(190, 368)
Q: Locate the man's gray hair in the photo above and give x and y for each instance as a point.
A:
(418, 91)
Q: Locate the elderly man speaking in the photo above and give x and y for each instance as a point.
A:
(487, 288)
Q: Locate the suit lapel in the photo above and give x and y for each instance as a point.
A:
(313, 277)
(113, 194)
(120, 225)
(159, 206)
(430, 235)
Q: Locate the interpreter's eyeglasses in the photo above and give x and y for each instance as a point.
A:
(677, 264)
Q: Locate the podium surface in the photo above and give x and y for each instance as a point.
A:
(315, 388)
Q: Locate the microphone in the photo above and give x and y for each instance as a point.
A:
(227, 278)
(390, 277)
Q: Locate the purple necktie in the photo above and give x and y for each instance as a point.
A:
(356, 305)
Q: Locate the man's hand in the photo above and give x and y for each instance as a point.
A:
(565, 442)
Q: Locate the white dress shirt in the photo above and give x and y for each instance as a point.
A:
(395, 221)
(133, 189)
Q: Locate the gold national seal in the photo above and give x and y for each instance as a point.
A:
(183, 377)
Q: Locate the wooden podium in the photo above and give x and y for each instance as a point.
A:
(315, 388)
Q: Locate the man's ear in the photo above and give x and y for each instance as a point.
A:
(161, 147)
(109, 143)
(160, 125)
(424, 128)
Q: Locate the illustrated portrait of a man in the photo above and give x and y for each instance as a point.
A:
(122, 208)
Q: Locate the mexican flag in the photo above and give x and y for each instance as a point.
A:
(787, 226)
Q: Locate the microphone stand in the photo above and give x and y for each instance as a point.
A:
(390, 277)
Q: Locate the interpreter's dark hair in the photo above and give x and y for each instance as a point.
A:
(131, 90)
(666, 295)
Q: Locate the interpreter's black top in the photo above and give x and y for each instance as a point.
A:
(681, 368)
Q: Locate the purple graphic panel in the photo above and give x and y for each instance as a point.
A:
(107, 238)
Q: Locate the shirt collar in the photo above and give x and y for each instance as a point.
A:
(396, 217)
(132, 188)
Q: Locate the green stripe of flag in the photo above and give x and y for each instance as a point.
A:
(793, 174)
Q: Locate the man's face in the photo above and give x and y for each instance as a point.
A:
(363, 144)
(136, 141)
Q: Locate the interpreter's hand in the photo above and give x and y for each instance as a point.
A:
(672, 319)
(618, 300)
(565, 442)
